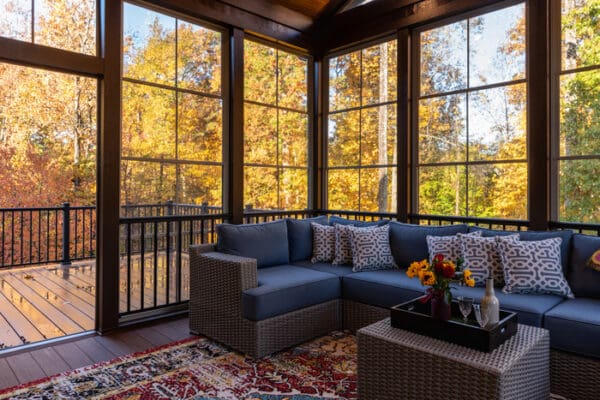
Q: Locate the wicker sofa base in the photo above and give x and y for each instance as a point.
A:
(356, 315)
(574, 377)
(260, 338)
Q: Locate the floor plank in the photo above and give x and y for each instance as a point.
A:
(7, 377)
(23, 326)
(25, 367)
(50, 361)
(73, 355)
(94, 350)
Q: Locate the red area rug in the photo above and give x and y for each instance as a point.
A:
(200, 369)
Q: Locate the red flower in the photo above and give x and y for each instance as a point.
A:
(438, 258)
(439, 267)
(448, 271)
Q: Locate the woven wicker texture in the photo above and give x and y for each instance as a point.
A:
(356, 315)
(217, 281)
(397, 364)
(574, 376)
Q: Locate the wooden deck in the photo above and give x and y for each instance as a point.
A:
(45, 302)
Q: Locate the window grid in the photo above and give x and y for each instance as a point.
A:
(467, 163)
(279, 167)
(361, 108)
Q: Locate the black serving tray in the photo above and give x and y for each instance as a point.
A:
(415, 316)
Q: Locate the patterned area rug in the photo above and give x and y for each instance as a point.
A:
(200, 369)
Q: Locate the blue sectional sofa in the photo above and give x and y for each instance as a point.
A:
(258, 292)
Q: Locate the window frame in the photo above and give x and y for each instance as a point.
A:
(309, 113)
(415, 76)
(224, 97)
(324, 142)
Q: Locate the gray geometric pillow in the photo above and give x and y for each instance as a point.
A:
(448, 246)
(533, 267)
(323, 243)
(371, 249)
(343, 245)
(481, 256)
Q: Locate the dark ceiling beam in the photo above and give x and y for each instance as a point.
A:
(320, 27)
(273, 11)
(383, 16)
(219, 12)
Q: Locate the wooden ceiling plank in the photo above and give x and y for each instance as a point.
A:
(384, 16)
(275, 12)
(219, 12)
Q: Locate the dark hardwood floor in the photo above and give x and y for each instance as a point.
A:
(50, 359)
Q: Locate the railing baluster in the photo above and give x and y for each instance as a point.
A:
(178, 270)
(142, 265)
(155, 244)
(129, 286)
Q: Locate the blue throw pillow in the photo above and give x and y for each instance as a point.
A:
(584, 281)
(409, 241)
(266, 242)
(354, 222)
(300, 237)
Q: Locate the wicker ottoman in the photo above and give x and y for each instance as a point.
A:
(397, 364)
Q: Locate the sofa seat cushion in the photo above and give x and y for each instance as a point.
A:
(383, 288)
(530, 308)
(574, 326)
(286, 288)
(408, 242)
(338, 270)
(266, 242)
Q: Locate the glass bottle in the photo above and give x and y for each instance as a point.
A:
(490, 304)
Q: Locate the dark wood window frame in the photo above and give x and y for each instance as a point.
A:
(309, 112)
(400, 116)
(415, 81)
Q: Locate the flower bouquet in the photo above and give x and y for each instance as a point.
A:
(438, 276)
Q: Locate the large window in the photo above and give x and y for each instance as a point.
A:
(172, 111)
(63, 24)
(275, 128)
(472, 125)
(362, 127)
(579, 139)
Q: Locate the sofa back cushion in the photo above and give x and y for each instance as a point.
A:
(300, 237)
(527, 236)
(266, 242)
(584, 281)
(409, 241)
(354, 222)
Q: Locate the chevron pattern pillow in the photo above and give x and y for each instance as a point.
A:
(323, 243)
(371, 249)
(533, 267)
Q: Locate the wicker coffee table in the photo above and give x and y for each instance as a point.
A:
(398, 364)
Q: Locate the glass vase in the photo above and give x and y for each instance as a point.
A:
(440, 308)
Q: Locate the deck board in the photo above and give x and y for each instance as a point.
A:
(44, 302)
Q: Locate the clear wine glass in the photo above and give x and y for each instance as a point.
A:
(465, 304)
(482, 318)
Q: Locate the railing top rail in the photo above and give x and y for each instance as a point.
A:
(58, 208)
(173, 218)
(276, 212)
(473, 220)
(358, 213)
(575, 225)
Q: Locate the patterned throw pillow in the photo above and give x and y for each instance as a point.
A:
(533, 267)
(371, 249)
(343, 245)
(323, 243)
(481, 256)
(448, 246)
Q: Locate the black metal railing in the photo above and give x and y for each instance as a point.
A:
(255, 216)
(42, 235)
(154, 270)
